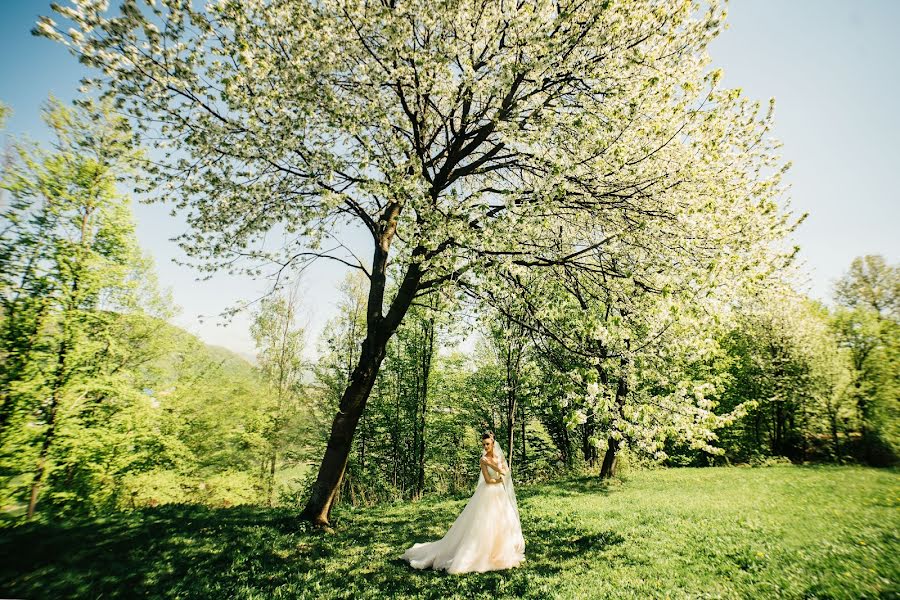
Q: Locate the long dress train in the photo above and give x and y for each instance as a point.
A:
(486, 536)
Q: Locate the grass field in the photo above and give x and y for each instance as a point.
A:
(771, 532)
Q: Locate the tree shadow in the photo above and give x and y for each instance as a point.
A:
(550, 546)
(197, 552)
(147, 553)
(573, 486)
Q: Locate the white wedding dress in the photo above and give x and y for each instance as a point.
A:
(486, 535)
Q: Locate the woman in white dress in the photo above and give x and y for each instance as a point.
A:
(486, 535)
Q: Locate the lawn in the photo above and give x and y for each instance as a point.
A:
(780, 531)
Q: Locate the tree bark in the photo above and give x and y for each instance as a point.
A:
(510, 427)
(524, 454)
(608, 470)
(272, 460)
(425, 364)
(835, 442)
(334, 462)
(588, 450)
(514, 348)
(41, 467)
(379, 330)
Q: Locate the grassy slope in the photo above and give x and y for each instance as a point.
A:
(788, 532)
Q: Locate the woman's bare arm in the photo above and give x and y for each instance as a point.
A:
(484, 465)
(497, 466)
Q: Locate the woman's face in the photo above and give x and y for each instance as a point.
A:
(488, 444)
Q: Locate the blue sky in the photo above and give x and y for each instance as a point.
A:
(832, 67)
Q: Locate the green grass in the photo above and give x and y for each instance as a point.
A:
(774, 532)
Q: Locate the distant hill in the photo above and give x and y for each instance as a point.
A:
(182, 340)
(231, 358)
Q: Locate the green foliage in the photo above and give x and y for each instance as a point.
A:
(788, 532)
(286, 428)
(574, 163)
(571, 171)
(421, 429)
(785, 363)
(71, 269)
(867, 322)
(394, 436)
(871, 284)
(816, 383)
(103, 405)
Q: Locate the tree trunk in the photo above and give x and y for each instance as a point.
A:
(271, 479)
(524, 455)
(608, 470)
(835, 442)
(66, 344)
(353, 402)
(588, 451)
(362, 443)
(426, 358)
(513, 360)
(567, 448)
(510, 427)
(380, 328)
(41, 467)
(862, 408)
(397, 427)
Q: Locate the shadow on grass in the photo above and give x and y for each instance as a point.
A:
(144, 553)
(569, 487)
(197, 552)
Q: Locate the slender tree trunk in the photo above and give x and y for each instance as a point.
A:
(834, 435)
(41, 468)
(362, 443)
(397, 428)
(514, 350)
(272, 460)
(58, 382)
(66, 344)
(380, 329)
(353, 401)
(567, 447)
(791, 436)
(510, 426)
(588, 450)
(776, 420)
(608, 470)
(862, 411)
(524, 455)
(426, 358)
(412, 463)
(757, 426)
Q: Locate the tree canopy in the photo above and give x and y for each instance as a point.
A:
(474, 141)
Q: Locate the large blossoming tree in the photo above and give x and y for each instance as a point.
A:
(464, 137)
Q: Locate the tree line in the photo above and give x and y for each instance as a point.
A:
(105, 406)
(567, 177)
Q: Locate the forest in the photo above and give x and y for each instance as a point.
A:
(106, 407)
(557, 229)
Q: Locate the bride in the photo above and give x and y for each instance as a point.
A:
(486, 535)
